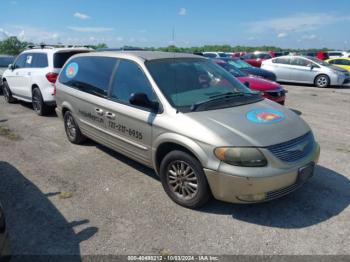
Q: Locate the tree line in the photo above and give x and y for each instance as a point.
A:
(13, 46)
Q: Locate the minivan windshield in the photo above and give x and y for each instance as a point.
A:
(192, 84)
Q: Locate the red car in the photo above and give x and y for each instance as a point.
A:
(322, 55)
(270, 90)
(256, 58)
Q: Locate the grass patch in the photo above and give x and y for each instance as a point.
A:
(9, 134)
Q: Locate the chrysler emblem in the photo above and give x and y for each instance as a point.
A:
(300, 147)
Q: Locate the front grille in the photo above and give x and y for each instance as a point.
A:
(295, 149)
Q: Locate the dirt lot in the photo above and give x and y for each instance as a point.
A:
(66, 199)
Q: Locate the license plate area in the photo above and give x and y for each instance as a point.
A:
(305, 172)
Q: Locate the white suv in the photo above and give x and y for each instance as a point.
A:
(33, 75)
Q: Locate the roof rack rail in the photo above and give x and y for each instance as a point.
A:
(41, 46)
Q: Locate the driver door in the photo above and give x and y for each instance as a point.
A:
(16, 77)
(129, 126)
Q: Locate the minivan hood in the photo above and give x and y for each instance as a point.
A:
(232, 125)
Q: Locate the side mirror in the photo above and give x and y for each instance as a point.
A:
(312, 66)
(247, 84)
(142, 100)
(11, 66)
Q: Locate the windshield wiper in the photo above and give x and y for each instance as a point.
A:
(218, 97)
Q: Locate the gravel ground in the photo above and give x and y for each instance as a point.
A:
(61, 198)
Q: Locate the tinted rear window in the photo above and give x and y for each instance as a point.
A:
(60, 58)
(89, 74)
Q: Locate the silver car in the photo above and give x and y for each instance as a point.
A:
(308, 70)
(202, 131)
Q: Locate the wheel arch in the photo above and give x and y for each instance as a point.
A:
(173, 142)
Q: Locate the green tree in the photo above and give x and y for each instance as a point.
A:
(100, 45)
(12, 46)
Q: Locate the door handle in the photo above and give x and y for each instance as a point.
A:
(99, 111)
(29, 73)
(110, 115)
(17, 74)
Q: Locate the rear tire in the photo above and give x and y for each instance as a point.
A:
(7, 93)
(72, 129)
(38, 103)
(183, 180)
(322, 81)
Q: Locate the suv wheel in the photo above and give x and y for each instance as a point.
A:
(7, 93)
(72, 129)
(38, 103)
(322, 81)
(183, 179)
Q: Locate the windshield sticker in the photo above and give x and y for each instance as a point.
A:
(72, 70)
(265, 116)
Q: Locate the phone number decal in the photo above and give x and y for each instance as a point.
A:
(125, 130)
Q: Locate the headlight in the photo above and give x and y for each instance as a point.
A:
(241, 156)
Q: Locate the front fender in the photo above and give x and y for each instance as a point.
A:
(202, 152)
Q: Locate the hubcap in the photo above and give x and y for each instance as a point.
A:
(36, 102)
(322, 81)
(182, 179)
(70, 125)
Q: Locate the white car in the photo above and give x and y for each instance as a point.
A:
(336, 54)
(31, 78)
(215, 54)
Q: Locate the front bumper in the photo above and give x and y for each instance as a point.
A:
(233, 187)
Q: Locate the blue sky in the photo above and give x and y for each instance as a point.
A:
(293, 24)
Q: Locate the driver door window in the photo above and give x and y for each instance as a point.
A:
(130, 79)
(20, 61)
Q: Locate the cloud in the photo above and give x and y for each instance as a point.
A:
(4, 34)
(282, 35)
(309, 37)
(81, 16)
(296, 23)
(182, 11)
(29, 34)
(90, 29)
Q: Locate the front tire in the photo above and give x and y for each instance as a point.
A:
(38, 103)
(7, 93)
(183, 180)
(322, 81)
(72, 129)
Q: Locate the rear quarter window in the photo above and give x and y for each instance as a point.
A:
(89, 74)
(60, 58)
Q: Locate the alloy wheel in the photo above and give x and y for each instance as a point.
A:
(322, 81)
(70, 126)
(182, 180)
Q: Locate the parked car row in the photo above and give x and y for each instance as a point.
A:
(270, 90)
(202, 131)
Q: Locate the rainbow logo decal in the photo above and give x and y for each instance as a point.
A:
(72, 70)
(265, 116)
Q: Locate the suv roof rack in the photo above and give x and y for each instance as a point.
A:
(42, 46)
